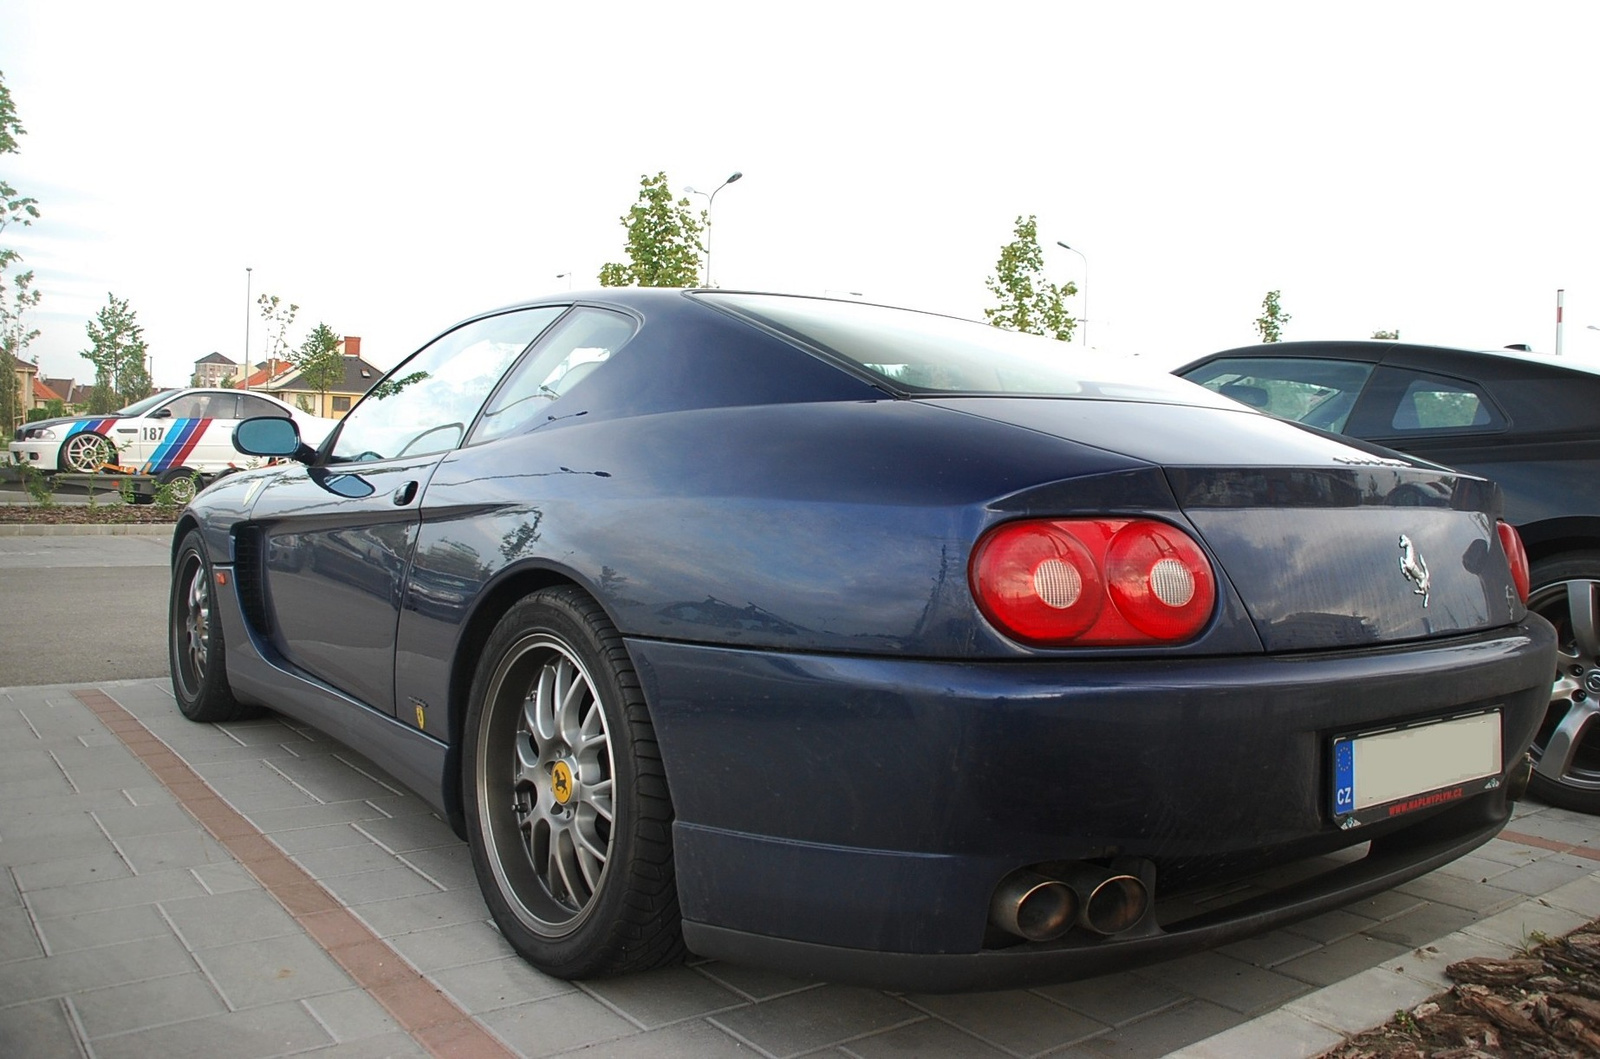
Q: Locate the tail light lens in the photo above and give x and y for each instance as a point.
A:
(1092, 582)
(1516, 555)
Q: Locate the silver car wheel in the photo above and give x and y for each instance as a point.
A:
(195, 634)
(86, 453)
(1567, 747)
(546, 787)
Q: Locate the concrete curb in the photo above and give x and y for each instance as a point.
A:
(120, 529)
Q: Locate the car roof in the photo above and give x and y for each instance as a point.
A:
(1480, 363)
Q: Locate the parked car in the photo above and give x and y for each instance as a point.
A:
(1530, 423)
(867, 643)
(174, 435)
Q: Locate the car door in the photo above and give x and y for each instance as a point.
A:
(193, 431)
(335, 538)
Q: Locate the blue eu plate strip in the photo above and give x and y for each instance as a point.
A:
(1344, 777)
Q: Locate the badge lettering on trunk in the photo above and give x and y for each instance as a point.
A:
(1414, 568)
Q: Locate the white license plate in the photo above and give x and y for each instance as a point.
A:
(1413, 768)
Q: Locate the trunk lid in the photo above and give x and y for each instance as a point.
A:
(1327, 543)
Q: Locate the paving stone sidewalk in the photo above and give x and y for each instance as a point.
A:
(126, 929)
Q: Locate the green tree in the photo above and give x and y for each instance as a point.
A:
(1270, 323)
(1028, 301)
(663, 241)
(279, 317)
(320, 363)
(17, 295)
(1391, 336)
(117, 350)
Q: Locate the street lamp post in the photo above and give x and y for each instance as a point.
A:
(566, 276)
(1085, 320)
(247, 271)
(711, 200)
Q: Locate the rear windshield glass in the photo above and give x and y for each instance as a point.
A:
(922, 353)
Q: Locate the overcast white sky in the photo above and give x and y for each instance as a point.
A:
(392, 168)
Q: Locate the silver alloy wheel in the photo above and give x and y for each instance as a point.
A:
(86, 453)
(195, 636)
(182, 487)
(1567, 747)
(546, 791)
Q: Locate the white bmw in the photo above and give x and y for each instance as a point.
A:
(169, 434)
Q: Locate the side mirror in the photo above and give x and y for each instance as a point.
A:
(161, 413)
(270, 436)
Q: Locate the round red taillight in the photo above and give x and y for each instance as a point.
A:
(1160, 580)
(1040, 582)
(1517, 556)
(1099, 582)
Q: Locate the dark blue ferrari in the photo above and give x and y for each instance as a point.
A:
(870, 644)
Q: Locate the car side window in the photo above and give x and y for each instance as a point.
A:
(1432, 403)
(427, 403)
(254, 407)
(579, 344)
(189, 406)
(1319, 393)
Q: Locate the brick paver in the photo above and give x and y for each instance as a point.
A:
(304, 902)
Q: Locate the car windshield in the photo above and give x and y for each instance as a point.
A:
(141, 407)
(919, 353)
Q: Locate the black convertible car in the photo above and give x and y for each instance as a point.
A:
(870, 644)
(1530, 423)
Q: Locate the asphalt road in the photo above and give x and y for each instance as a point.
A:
(80, 608)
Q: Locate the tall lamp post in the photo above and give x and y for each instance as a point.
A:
(711, 200)
(247, 271)
(1085, 257)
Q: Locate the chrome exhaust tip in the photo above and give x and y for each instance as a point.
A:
(1033, 907)
(1108, 902)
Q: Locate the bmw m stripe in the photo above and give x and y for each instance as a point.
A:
(179, 442)
(92, 426)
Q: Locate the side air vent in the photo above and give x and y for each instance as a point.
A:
(247, 571)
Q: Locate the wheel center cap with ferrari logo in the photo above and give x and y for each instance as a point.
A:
(561, 782)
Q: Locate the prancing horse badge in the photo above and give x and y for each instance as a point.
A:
(1414, 568)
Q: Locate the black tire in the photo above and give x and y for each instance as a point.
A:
(539, 780)
(195, 650)
(1566, 590)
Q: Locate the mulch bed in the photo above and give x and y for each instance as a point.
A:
(1544, 1004)
(110, 514)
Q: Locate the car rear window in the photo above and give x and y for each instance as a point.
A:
(914, 353)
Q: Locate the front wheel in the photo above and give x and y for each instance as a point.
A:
(194, 640)
(86, 453)
(1566, 591)
(566, 799)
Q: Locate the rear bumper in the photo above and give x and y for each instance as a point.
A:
(852, 817)
(1078, 957)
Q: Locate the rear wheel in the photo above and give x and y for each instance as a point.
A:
(181, 485)
(194, 640)
(1566, 591)
(87, 453)
(567, 804)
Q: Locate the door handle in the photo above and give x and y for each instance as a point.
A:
(405, 494)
